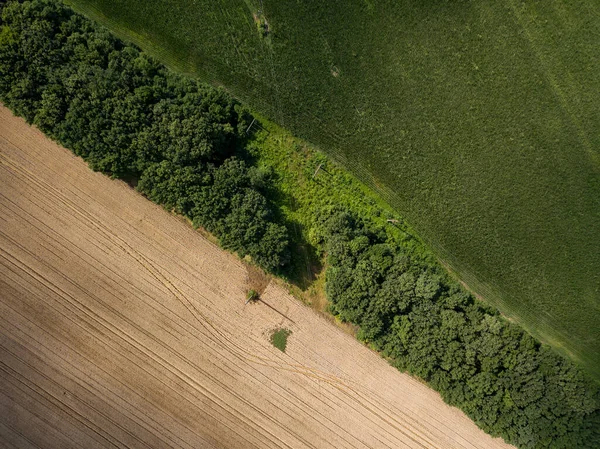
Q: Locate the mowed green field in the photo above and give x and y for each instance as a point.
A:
(478, 121)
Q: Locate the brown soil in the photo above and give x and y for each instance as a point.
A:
(120, 326)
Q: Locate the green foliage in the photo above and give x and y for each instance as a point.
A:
(252, 295)
(279, 338)
(130, 117)
(410, 311)
(186, 144)
(478, 120)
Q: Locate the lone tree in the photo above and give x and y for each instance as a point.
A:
(252, 295)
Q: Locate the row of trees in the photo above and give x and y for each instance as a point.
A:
(509, 384)
(183, 142)
(130, 117)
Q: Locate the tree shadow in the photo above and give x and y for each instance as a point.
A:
(305, 264)
(275, 310)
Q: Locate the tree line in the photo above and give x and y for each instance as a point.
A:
(130, 117)
(508, 383)
(184, 144)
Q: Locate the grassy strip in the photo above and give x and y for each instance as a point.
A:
(306, 182)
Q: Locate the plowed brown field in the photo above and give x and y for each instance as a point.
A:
(120, 326)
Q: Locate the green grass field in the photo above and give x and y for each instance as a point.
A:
(478, 121)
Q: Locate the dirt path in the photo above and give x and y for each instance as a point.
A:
(122, 327)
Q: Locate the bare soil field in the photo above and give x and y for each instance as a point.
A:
(120, 326)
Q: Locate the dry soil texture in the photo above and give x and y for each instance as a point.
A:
(120, 326)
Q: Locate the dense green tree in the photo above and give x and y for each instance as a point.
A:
(506, 382)
(129, 117)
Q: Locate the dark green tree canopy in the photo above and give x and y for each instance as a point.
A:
(506, 382)
(130, 117)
